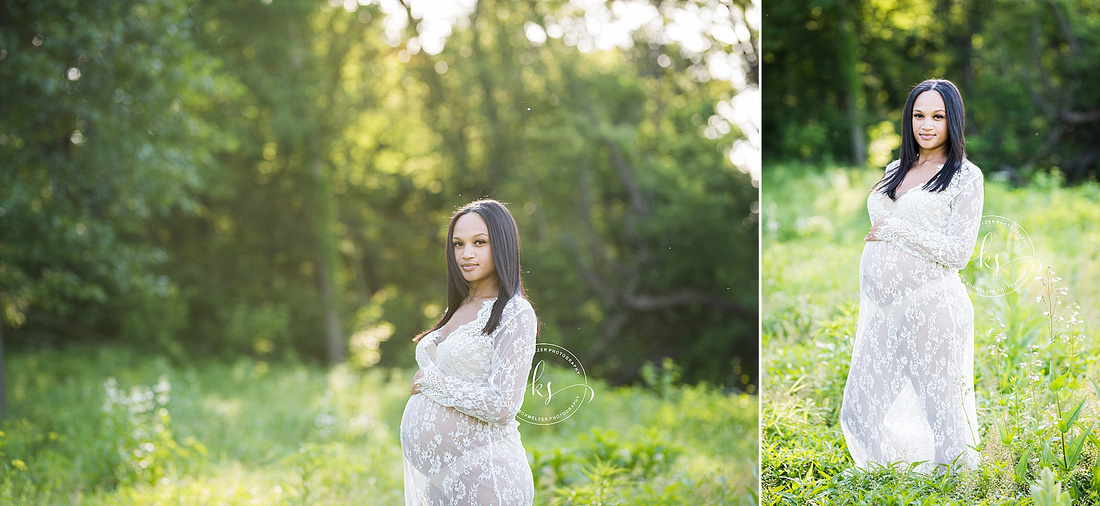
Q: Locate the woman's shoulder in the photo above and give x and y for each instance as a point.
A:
(518, 304)
(518, 311)
(969, 171)
(893, 166)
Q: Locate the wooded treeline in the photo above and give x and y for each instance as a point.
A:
(837, 73)
(274, 178)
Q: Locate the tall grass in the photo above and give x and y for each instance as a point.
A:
(1036, 367)
(113, 426)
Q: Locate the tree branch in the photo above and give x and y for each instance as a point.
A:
(1079, 117)
(612, 327)
(637, 201)
(599, 256)
(1067, 33)
(682, 297)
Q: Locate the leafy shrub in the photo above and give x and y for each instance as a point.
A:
(139, 424)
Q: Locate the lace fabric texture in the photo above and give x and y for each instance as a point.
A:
(910, 391)
(459, 435)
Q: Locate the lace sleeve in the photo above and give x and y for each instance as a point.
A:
(498, 399)
(954, 246)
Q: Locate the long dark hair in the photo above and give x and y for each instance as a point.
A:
(956, 142)
(504, 241)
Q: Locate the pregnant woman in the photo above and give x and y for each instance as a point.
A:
(909, 397)
(459, 435)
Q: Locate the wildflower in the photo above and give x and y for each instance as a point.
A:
(19, 464)
(997, 350)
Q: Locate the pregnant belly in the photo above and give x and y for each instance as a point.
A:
(888, 273)
(432, 435)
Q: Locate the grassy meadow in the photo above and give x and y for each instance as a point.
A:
(1036, 371)
(115, 426)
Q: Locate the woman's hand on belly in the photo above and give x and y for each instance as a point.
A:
(872, 235)
(414, 388)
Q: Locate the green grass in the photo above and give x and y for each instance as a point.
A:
(814, 223)
(250, 432)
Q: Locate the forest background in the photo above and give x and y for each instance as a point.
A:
(222, 222)
(839, 71)
(271, 178)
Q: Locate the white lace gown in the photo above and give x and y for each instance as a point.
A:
(459, 435)
(910, 391)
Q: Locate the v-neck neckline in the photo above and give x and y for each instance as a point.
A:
(920, 185)
(907, 192)
(477, 317)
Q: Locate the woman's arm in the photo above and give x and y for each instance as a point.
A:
(498, 399)
(952, 248)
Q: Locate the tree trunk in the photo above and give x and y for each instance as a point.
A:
(335, 348)
(3, 387)
(849, 58)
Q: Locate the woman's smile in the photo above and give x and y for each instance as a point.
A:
(930, 122)
(474, 254)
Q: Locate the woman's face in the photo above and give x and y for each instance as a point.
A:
(930, 121)
(473, 253)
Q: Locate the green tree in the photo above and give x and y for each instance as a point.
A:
(314, 169)
(1023, 70)
(101, 133)
(631, 216)
(277, 216)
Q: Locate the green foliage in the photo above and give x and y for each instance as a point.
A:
(1033, 359)
(102, 132)
(1048, 491)
(634, 461)
(13, 482)
(138, 423)
(240, 178)
(837, 70)
(111, 425)
(663, 380)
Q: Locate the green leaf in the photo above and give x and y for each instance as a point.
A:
(1047, 458)
(1021, 466)
(1070, 417)
(1073, 451)
(1006, 432)
(1048, 491)
(1058, 383)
